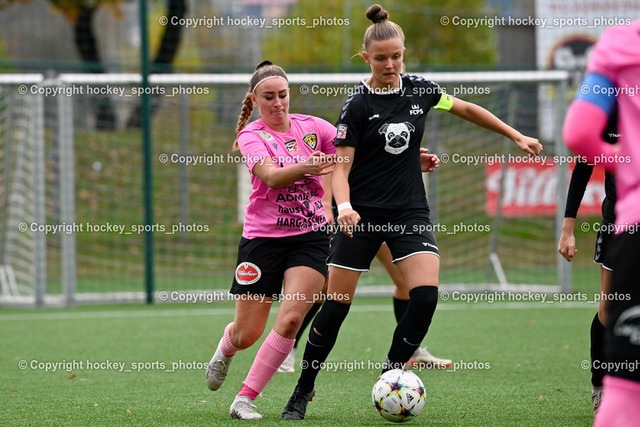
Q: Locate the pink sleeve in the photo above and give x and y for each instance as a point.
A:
(253, 149)
(615, 51)
(326, 135)
(582, 132)
(601, 57)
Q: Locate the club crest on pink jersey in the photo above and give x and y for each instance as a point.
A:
(311, 139)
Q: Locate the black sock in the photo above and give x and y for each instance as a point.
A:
(597, 351)
(413, 326)
(307, 319)
(319, 345)
(400, 308)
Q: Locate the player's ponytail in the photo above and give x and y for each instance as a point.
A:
(264, 70)
(247, 109)
(381, 29)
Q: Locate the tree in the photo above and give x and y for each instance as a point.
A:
(330, 45)
(163, 61)
(80, 14)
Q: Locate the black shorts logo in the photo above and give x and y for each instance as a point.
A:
(247, 273)
(628, 325)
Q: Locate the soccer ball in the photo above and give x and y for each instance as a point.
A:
(398, 395)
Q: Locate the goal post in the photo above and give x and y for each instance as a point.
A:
(497, 215)
(22, 183)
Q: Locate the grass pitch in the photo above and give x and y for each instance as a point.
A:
(516, 364)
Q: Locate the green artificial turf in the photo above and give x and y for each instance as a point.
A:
(515, 364)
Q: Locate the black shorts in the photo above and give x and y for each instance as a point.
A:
(603, 245)
(262, 261)
(623, 340)
(407, 232)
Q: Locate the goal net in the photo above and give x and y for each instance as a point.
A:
(496, 213)
(22, 255)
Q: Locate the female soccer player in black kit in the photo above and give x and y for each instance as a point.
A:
(567, 247)
(380, 195)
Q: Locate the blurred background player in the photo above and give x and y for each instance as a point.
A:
(613, 78)
(567, 247)
(287, 156)
(380, 129)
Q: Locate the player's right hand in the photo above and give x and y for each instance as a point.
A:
(528, 145)
(567, 246)
(347, 220)
(319, 163)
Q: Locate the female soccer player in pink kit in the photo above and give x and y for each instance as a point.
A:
(613, 75)
(283, 240)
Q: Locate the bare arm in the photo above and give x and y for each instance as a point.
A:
(479, 116)
(567, 243)
(347, 218)
(317, 164)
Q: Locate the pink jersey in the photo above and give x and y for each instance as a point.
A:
(296, 208)
(617, 57)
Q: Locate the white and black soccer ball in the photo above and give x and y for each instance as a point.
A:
(398, 395)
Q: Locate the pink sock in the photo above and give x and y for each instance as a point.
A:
(620, 405)
(227, 347)
(272, 353)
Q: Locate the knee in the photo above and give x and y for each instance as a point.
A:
(328, 321)
(245, 337)
(289, 324)
(425, 297)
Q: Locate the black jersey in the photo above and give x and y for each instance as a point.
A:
(386, 130)
(582, 173)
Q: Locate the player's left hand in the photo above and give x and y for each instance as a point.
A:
(528, 144)
(428, 162)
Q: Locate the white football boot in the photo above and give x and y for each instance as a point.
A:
(423, 359)
(217, 369)
(289, 364)
(242, 409)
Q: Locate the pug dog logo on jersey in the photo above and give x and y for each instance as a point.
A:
(396, 136)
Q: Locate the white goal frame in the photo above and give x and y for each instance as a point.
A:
(559, 80)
